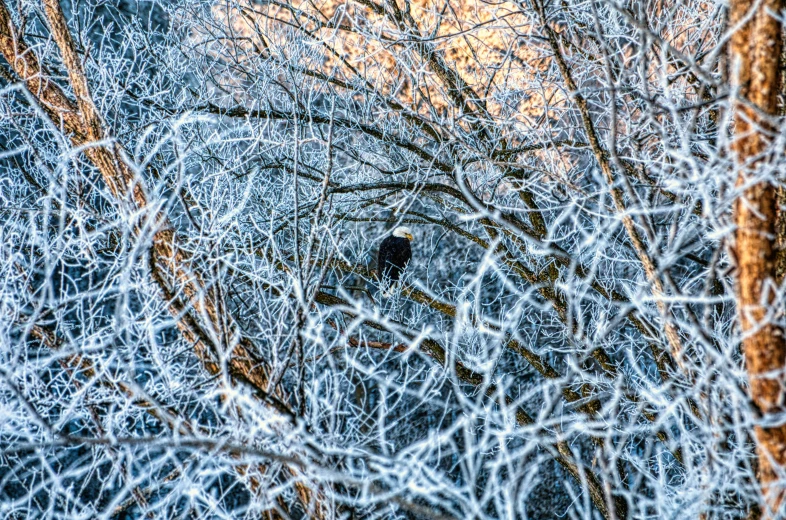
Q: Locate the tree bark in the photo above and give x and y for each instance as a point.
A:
(755, 59)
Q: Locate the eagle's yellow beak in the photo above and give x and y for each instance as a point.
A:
(409, 237)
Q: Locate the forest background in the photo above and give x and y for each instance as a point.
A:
(192, 196)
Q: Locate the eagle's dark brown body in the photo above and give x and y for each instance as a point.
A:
(394, 254)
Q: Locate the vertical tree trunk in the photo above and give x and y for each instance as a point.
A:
(755, 61)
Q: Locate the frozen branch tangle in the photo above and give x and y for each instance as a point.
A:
(192, 198)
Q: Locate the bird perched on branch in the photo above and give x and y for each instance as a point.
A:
(394, 254)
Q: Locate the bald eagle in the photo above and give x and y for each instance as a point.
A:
(394, 254)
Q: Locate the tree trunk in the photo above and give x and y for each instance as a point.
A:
(755, 61)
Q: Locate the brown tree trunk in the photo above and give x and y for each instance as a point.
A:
(755, 61)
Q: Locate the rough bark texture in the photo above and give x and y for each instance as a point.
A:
(755, 48)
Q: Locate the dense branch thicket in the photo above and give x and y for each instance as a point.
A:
(192, 196)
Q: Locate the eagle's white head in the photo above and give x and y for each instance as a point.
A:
(403, 232)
